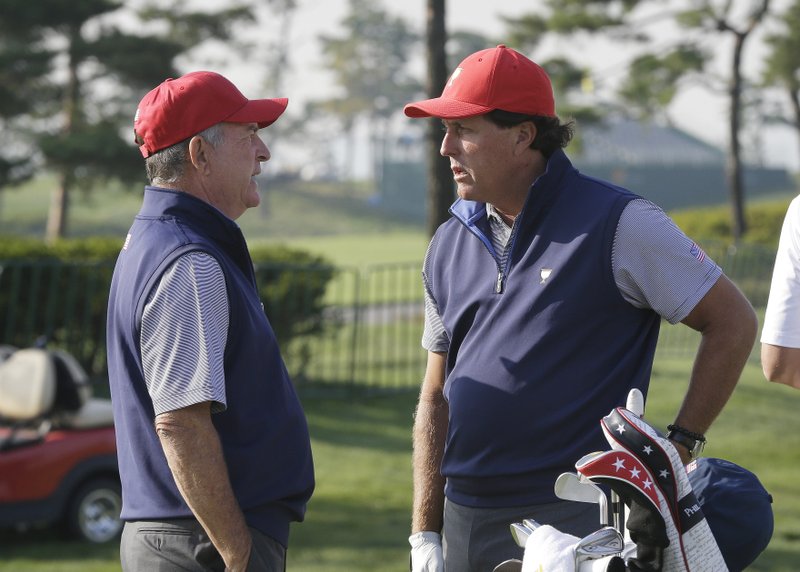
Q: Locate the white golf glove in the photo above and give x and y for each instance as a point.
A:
(426, 552)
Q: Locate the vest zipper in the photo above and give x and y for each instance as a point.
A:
(501, 272)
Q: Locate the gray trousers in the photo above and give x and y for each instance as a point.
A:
(182, 544)
(478, 539)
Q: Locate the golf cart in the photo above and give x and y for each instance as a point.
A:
(58, 463)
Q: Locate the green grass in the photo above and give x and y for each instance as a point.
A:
(358, 518)
(757, 430)
(106, 212)
(289, 210)
(351, 250)
(331, 220)
(334, 220)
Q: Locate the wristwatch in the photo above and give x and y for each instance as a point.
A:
(694, 442)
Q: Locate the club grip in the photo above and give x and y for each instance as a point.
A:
(635, 403)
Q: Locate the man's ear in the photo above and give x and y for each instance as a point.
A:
(526, 133)
(198, 154)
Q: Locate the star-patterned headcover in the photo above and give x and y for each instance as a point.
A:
(646, 470)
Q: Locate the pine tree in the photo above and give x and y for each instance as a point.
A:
(76, 76)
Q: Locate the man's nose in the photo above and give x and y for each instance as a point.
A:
(263, 151)
(446, 149)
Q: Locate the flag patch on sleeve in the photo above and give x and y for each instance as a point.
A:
(697, 252)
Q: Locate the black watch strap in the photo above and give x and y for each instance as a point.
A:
(694, 442)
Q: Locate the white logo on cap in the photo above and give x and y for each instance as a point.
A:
(454, 76)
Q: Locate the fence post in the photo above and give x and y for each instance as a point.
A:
(356, 323)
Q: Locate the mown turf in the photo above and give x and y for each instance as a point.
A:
(359, 516)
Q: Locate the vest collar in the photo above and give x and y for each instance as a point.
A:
(160, 202)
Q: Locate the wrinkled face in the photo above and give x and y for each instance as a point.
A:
(234, 164)
(481, 157)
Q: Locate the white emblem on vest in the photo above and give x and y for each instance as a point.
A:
(544, 274)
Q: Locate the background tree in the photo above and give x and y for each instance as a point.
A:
(709, 18)
(568, 78)
(23, 67)
(95, 72)
(783, 64)
(280, 15)
(461, 43)
(653, 77)
(370, 63)
(440, 178)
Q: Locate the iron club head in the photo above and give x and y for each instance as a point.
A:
(599, 544)
(569, 486)
(520, 533)
(531, 524)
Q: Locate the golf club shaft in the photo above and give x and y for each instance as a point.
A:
(619, 512)
(605, 564)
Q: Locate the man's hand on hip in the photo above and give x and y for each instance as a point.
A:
(426, 552)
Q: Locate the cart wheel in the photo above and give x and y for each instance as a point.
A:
(93, 513)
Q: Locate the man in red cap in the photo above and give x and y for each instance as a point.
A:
(544, 295)
(213, 447)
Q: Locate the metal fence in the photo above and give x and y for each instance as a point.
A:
(370, 324)
(368, 332)
(373, 321)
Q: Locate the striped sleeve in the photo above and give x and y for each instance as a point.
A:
(434, 336)
(183, 335)
(656, 265)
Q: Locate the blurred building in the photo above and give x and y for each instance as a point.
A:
(664, 164)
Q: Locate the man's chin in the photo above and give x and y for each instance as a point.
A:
(253, 197)
(465, 192)
(253, 202)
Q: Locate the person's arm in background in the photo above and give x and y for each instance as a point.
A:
(780, 336)
(194, 454)
(728, 325)
(781, 364)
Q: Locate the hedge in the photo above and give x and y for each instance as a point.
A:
(60, 292)
(763, 219)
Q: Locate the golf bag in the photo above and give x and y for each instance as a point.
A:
(665, 502)
(666, 523)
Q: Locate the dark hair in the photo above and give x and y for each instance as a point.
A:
(551, 134)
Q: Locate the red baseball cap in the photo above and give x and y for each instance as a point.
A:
(497, 78)
(183, 107)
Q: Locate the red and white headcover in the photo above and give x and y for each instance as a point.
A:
(650, 464)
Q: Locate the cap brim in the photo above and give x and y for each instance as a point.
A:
(444, 108)
(261, 111)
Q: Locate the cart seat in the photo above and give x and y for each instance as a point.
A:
(27, 385)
